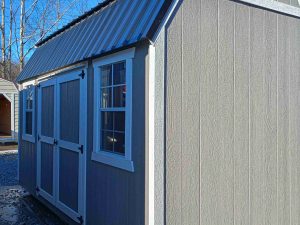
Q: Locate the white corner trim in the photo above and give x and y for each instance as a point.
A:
(151, 136)
(274, 6)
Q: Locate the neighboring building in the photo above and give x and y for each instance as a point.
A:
(9, 111)
(166, 112)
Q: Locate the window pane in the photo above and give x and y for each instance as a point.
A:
(119, 121)
(107, 140)
(119, 146)
(120, 73)
(29, 99)
(120, 96)
(106, 74)
(28, 123)
(107, 120)
(106, 97)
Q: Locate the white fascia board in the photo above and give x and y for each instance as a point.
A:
(273, 6)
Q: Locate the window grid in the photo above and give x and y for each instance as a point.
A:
(29, 110)
(111, 108)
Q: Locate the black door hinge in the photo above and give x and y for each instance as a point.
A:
(37, 189)
(55, 142)
(80, 219)
(82, 74)
(81, 149)
(39, 138)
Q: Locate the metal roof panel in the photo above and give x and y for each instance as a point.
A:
(115, 24)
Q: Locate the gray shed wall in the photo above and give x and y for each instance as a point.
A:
(232, 115)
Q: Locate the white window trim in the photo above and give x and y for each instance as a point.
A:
(121, 162)
(28, 137)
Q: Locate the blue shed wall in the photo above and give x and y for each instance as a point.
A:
(113, 196)
(27, 155)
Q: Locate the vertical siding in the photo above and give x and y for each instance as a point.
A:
(27, 158)
(173, 154)
(190, 116)
(241, 114)
(232, 115)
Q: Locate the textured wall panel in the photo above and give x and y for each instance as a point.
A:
(242, 74)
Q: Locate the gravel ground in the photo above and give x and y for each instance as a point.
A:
(17, 207)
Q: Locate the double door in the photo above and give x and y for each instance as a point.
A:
(61, 153)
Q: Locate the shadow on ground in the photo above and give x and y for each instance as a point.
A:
(17, 207)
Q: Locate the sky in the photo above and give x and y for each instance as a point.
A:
(78, 6)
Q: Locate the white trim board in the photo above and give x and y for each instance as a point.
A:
(111, 159)
(151, 139)
(273, 6)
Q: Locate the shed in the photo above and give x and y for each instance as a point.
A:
(166, 112)
(9, 111)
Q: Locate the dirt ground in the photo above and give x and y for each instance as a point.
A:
(17, 207)
(8, 147)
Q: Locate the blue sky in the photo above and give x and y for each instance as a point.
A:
(78, 6)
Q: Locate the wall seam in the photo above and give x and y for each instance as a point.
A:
(249, 113)
(200, 124)
(234, 73)
(181, 74)
(277, 101)
(289, 138)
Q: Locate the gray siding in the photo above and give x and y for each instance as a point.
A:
(7, 87)
(114, 196)
(232, 115)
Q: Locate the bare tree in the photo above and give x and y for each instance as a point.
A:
(28, 22)
(3, 38)
(10, 36)
(22, 28)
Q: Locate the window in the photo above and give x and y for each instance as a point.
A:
(28, 114)
(112, 110)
